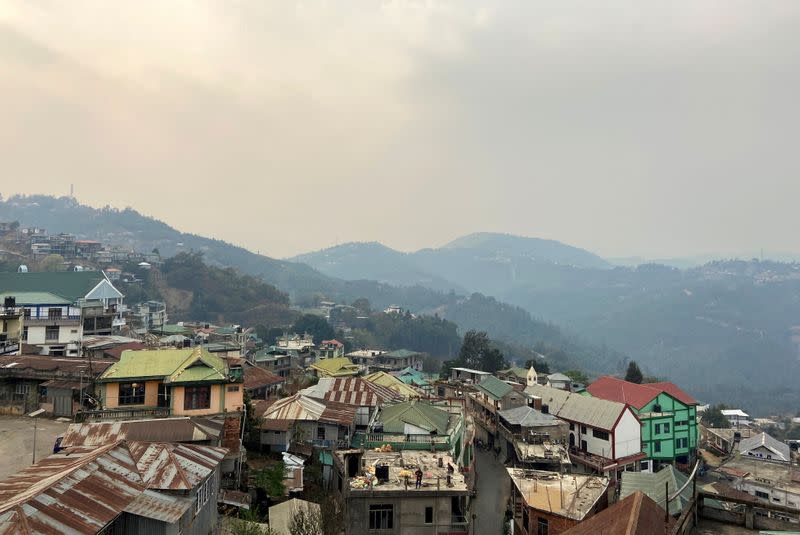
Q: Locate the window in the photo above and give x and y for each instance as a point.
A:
(196, 397)
(682, 423)
(204, 492)
(656, 447)
(22, 389)
(572, 427)
(51, 332)
(429, 515)
(234, 388)
(657, 408)
(381, 517)
(163, 395)
(583, 429)
(542, 527)
(602, 435)
(53, 313)
(682, 443)
(131, 394)
(760, 494)
(666, 428)
(320, 432)
(27, 314)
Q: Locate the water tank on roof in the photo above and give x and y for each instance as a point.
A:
(77, 268)
(22, 269)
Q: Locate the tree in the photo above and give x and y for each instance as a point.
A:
(634, 374)
(477, 353)
(271, 479)
(363, 305)
(306, 522)
(713, 417)
(539, 365)
(52, 262)
(577, 375)
(316, 326)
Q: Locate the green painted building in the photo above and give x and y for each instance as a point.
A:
(668, 416)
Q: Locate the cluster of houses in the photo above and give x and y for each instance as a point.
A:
(41, 244)
(158, 439)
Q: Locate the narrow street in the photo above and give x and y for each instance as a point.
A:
(491, 501)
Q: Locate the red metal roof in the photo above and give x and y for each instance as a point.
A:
(613, 389)
(673, 390)
(116, 351)
(356, 391)
(175, 466)
(637, 514)
(43, 363)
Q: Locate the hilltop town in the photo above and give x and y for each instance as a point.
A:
(130, 414)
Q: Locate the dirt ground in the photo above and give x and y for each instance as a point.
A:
(16, 441)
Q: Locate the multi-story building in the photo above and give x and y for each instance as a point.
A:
(151, 315)
(59, 308)
(10, 327)
(330, 349)
(604, 436)
(397, 360)
(668, 416)
(190, 382)
(381, 494)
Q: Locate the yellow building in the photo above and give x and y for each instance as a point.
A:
(188, 382)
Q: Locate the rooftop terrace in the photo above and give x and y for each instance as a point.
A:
(570, 495)
(401, 468)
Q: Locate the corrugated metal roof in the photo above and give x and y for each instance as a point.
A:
(781, 450)
(175, 466)
(414, 412)
(338, 366)
(300, 407)
(613, 389)
(258, 377)
(391, 382)
(172, 365)
(158, 506)
(637, 514)
(528, 417)
(599, 413)
(653, 486)
(554, 398)
(352, 391)
(494, 387)
(79, 493)
(42, 363)
(154, 430)
(70, 285)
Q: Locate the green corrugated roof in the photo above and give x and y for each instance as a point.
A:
(418, 413)
(522, 373)
(337, 366)
(71, 285)
(171, 365)
(173, 329)
(36, 298)
(494, 387)
(410, 376)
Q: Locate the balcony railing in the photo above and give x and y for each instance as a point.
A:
(409, 442)
(60, 320)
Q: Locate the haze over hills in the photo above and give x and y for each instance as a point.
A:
(713, 329)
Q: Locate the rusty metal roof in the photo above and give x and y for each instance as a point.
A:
(257, 377)
(77, 493)
(303, 408)
(43, 363)
(352, 391)
(153, 430)
(175, 466)
(158, 506)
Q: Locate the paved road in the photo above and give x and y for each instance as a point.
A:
(493, 494)
(16, 441)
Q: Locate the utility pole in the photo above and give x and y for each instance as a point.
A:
(33, 415)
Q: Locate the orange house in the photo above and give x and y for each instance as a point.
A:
(188, 382)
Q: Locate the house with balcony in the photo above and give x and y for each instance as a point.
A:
(179, 382)
(605, 436)
(492, 395)
(380, 495)
(537, 439)
(10, 327)
(363, 395)
(668, 416)
(330, 349)
(273, 359)
(519, 375)
(302, 419)
(419, 425)
(390, 381)
(59, 308)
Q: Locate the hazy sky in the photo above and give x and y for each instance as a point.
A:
(627, 127)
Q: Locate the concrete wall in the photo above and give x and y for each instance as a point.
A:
(408, 514)
(627, 436)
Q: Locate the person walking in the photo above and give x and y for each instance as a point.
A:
(418, 473)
